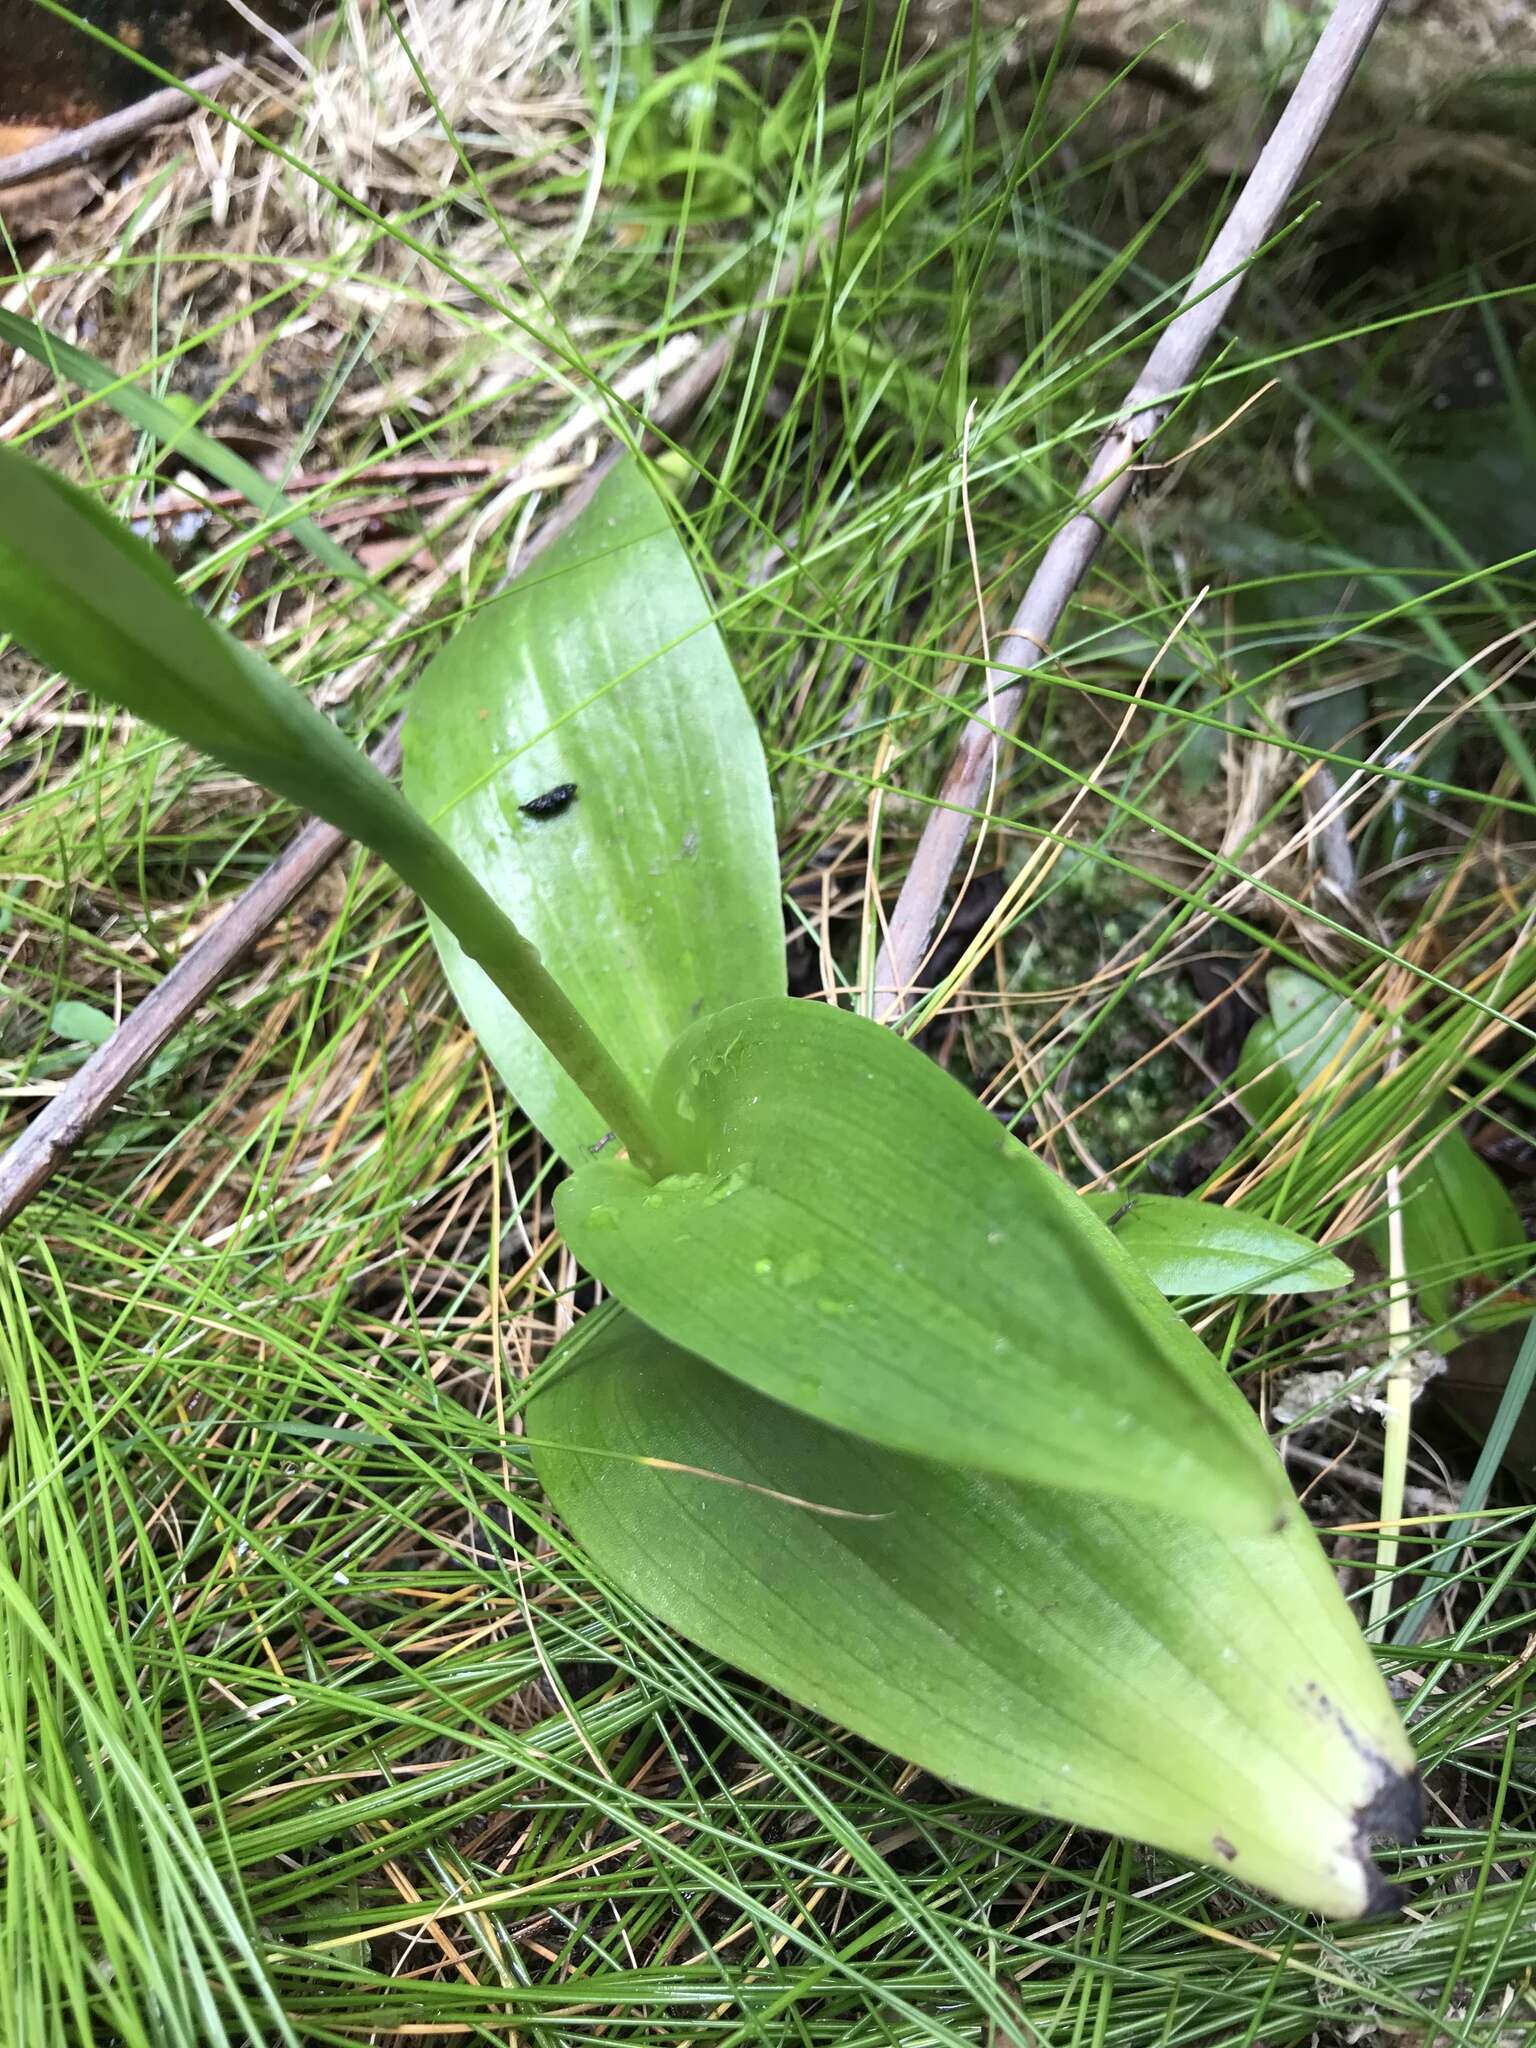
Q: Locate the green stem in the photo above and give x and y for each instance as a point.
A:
(429, 866)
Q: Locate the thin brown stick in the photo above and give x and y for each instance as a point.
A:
(121, 128)
(1170, 368)
(404, 469)
(113, 131)
(91, 1091)
(171, 103)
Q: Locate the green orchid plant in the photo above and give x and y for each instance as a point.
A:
(878, 1408)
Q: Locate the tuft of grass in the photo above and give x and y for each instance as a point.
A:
(316, 1729)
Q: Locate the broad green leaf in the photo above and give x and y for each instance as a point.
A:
(89, 598)
(1192, 1247)
(1262, 1082)
(857, 1238)
(166, 424)
(653, 894)
(1126, 1670)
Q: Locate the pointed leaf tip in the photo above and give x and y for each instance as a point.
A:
(1119, 1668)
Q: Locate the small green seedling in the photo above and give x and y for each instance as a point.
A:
(989, 1500)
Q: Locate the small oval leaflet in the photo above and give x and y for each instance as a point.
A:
(551, 803)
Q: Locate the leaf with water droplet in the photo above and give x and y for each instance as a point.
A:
(832, 1150)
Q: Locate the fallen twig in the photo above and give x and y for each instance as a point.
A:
(113, 131)
(1169, 369)
(172, 501)
(171, 103)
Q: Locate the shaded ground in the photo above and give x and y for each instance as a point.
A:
(57, 77)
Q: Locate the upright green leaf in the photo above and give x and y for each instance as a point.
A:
(1186, 1247)
(653, 892)
(1126, 1670)
(89, 598)
(857, 1237)
(1459, 1223)
(1318, 1034)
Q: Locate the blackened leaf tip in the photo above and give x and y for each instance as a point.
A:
(1393, 1813)
(1395, 1810)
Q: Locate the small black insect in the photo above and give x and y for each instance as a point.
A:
(1122, 1212)
(551, 803)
